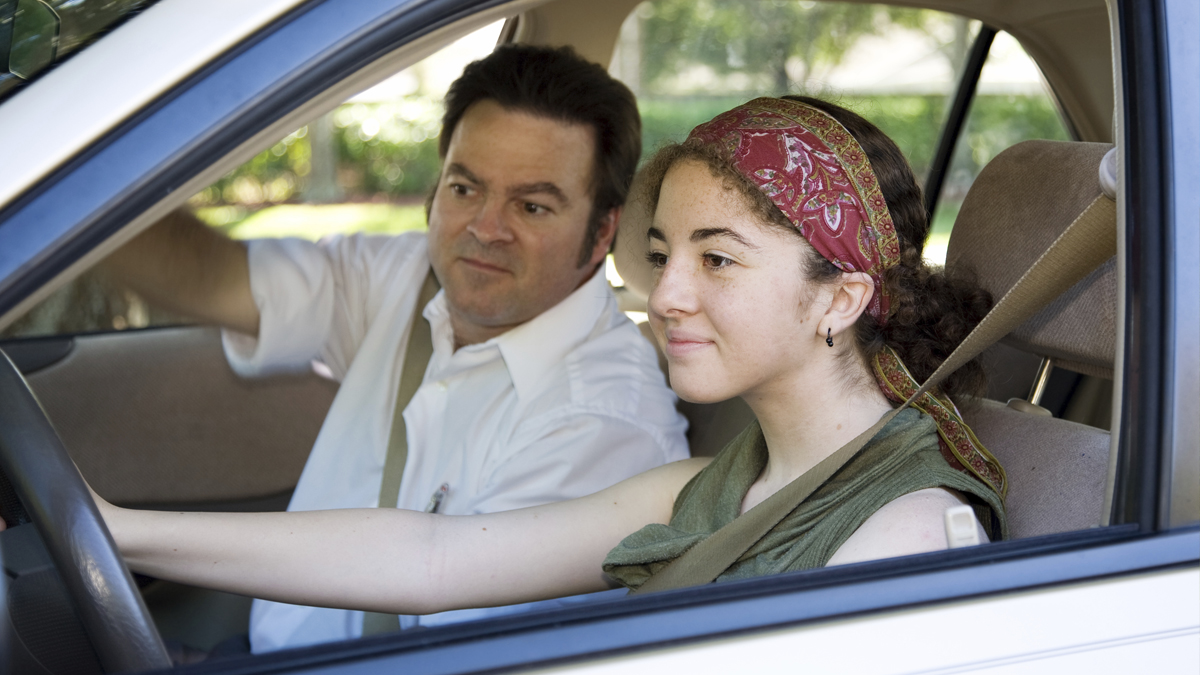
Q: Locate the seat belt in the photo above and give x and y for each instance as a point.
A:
(416, 360)
(1090, 240)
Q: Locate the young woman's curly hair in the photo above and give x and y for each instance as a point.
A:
(931, 312)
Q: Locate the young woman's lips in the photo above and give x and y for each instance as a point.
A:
(682, 344)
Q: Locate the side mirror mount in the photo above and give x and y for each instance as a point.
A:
(34, 38)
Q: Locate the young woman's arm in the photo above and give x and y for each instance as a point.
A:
(403, 562)
(914, 523)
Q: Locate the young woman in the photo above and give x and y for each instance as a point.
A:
(787, 239)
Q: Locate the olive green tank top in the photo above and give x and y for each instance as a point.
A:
(904, 457)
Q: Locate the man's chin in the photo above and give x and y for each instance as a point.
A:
(487, 310)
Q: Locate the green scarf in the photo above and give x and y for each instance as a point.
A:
(904, 457)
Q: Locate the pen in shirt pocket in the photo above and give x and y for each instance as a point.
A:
(439, 495)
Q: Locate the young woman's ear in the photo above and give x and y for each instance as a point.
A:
(852, 295)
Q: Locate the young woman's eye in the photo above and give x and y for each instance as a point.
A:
(657, 259)
(715, 261)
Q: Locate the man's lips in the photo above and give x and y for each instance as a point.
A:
(475, 263)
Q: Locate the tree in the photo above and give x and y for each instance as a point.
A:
(775, 41)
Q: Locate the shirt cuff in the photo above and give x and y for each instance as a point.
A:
(292, 285)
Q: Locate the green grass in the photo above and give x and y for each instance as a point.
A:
(313, 221)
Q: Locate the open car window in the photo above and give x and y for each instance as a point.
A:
(367, 166)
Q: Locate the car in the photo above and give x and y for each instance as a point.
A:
(153, 106)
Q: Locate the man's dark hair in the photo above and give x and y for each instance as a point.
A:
(558, 84)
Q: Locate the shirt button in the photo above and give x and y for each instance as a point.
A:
(441, 385)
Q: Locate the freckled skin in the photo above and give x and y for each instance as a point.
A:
(528, 242)
(748, 299)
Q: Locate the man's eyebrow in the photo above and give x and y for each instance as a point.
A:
(711, 232)
(460, 170)
(655, 233)
(543, 187)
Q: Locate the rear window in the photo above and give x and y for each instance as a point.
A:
(37, 34)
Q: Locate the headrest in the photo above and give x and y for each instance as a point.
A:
(629, 253)
(1021, 201)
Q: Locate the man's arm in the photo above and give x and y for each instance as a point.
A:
(185, 267)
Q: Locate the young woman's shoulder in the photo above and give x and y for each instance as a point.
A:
(655, 490)
(913, 523)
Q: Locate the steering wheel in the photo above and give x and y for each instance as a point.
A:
(56, 498)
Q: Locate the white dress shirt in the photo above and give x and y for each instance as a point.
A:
(560, 407)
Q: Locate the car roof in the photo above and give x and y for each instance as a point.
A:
(174, 39)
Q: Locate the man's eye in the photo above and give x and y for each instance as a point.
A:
(460, 190)
(657, 259)
(714, 261)
(534, 209)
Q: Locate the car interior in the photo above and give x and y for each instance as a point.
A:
(154, 418)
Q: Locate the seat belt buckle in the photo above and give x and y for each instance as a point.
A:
(961, 530)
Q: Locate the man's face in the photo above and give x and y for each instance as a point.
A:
(509, 217)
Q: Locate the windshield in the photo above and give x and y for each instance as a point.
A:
(37, 34)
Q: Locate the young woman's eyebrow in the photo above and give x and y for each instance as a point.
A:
(711, 232)
(655, 233)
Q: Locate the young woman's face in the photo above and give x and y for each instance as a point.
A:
(730, 306)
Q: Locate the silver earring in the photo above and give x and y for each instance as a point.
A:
(829, 337)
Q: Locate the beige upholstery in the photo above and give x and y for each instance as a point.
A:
(1056, 469)
(1018, 205)
(157, 417)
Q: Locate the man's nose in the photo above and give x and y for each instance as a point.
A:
(489, 225)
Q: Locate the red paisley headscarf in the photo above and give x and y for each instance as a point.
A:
(819, 176)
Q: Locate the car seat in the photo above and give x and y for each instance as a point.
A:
(1021, 201)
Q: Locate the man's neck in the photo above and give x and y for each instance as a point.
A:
(467, 333)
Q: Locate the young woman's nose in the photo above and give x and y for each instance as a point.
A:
(489, 225)
(674, 292)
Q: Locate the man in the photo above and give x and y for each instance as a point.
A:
(538, 388)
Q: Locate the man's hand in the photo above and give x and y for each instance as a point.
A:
(185, 267)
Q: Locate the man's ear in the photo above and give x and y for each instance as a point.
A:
(429, 197)
(851, 297)
(606, 235)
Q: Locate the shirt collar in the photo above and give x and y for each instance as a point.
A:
(531, 349)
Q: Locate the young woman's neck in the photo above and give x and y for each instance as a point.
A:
(807, 415)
